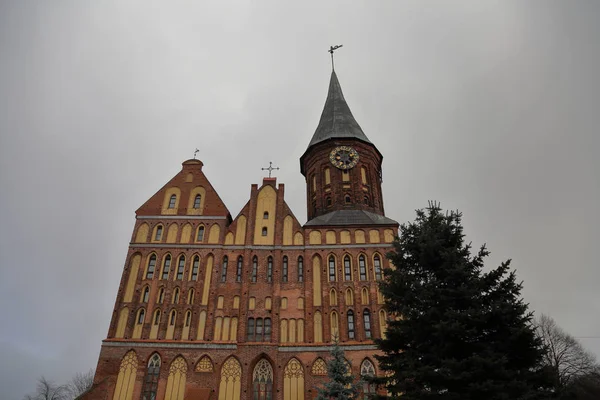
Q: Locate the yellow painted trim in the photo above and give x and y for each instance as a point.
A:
(327, 176)
(133, 276)
(122, 323)
(214, 233)
(316, 269)
(240, 231)
(359, 236)
(229, 238)
(318, 327)
(207, 277)
(165, 208)
(201, 325)
(314, 237)
(142, 233)
(176, 380)
(298, 239)
(186, 233)
(230, 385)
(236, 302)
(266, 201)
(190, 208)
(388, 235)
(172, 233)
(126, 378)
(345, 237)
(287, 230)
(374, 236)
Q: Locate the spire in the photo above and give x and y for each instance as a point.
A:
(337, 120)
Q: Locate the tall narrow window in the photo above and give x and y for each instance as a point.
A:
(173, 317)
(362, 268)
(200, 236)
(262, 381)
(172, 201)
(176, 296)
(141, 316)
(156, 317)
(251, 329)
(161, 295)
(166, 267)
(350, 324)
(377, 265)
(300, 269)
(347, 270)
(151, 267)
(180, 268)
(266, 215)
(347, 199)
(145, 294)
(331, 269)
(197, 200)
(267, 329)
(254, 269)
(238, 272)
(158, 234)
(367, 323)
(270, 269)
(264, 231)
(188, 318)
(368, 370)
(284, 270)
(259, 329)
(224, 270)
(195, 267)
(191, 294)
(150, 382)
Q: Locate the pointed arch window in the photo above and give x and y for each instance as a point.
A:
(191, 294)
(141, 316)
(262, 381)
(197, 201)
(180, 268)
(176, 296)
(166, 267)
(172, 201)
(161, 295)
(349, 297)
(350, 318)
(173, 317)
(270, 269)
(332, 297)
(151, 267)
(145, 294)
(300, 269)
(368, 370)
(362, 268)
(254, 269)
(331, 269)
(367, 323)
(151, 380)
(158, 233)
(347, 199)
(188, 318)
(156, 320)
(224, 269)
(195, 267)
(200, 235)
(238, 272)
(284, 270)
(347, 269)
(377, 266)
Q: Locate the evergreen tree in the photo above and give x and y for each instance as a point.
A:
(455, 332)
(341, 383)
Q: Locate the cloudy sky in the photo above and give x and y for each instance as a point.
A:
(491, 107)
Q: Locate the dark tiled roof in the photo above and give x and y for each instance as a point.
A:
(351, 217)
(337, 120)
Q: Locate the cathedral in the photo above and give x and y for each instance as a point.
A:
(215, 307)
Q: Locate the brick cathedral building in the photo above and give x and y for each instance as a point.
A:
(215, 307)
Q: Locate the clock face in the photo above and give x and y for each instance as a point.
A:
(343, 157)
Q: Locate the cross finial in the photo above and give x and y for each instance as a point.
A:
(195, 152)
(271, 168)
(331, 50)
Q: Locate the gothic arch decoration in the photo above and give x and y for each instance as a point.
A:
(319, 367)
(126, 377)
(205, 364)
(231, 380)
(293, 381)
(367, 369)
(176, 381)
(262, 380)
(150, 383)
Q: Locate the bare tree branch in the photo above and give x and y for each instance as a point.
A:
(80, 383)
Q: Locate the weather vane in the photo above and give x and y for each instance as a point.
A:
(195, 152)
(271, 168)
(331, 50)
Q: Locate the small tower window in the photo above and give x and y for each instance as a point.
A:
(328, 201)
(264, 231)
(366, 200)
(266, 215)
(347, 199)
(172, 201)
(197, 200)
(158, 234)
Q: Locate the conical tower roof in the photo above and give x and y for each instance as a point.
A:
(337, 120)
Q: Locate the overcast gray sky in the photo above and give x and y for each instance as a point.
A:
(491, 107)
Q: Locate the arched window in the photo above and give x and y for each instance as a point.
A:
(284, 301)
(350, 317)
(331, 269)
(191, 294)
(156, 319)
(204, 365)
(224, 269)
(347, 199)
(328, 201)
(284, 270)
(158, 233)
(332, 297)
(197, 200)
(173, 317)
(319, 367)
(230, 385)
(270, 269)
(335, 325)
(366, 200)
(267, 330)
(262, 381)
(264, 231)
(259, 329)
(200, 235)
(367, 370)
(166, 267)
(367, 323)
(180, 268)
(377, 266)
(161, 295)
(238, 272)
(362, 268)
(300, 269)
(141, 316)
(188, 318)
(266, 215)
(195, 267)
(176, 296)
(293, 380)
(151, 267)
(150, 384)
(172, 201)
(250, 330)
(145, 294)
(254, 269)
(349, 297)
(347, 269)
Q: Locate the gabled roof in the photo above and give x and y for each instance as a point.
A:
(351, 217)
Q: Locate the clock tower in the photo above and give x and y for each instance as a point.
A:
(342, 168)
